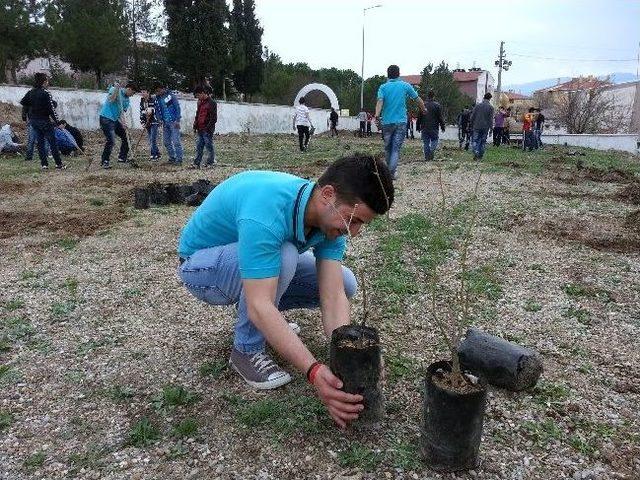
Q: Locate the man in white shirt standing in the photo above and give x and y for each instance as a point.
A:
(302, 122)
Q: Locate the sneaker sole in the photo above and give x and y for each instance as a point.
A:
(270, 385)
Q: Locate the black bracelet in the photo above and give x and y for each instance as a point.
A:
(311, 368)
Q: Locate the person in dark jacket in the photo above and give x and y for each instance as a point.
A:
(169, 114)
(65, 141)
(428, 123)
(149, 121)
(481, 124)
(332, 122)
(464, 132)
(41, 111)
(204, 125)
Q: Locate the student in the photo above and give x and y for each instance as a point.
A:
(150, 122)
(391, 113)
(112, 122)
(332, 122)
(362, 118)
(9, 143)
(428, 123)
(498, 126)
(270, 242)
(481, 123)
(40, 105)
(204, 125)
(464, 131)
(302, 122)
(539, 127)
(528, 141)
(168, 112)
(65, 141)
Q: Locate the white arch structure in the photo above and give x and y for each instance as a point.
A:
(321, 87)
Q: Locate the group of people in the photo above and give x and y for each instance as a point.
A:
(45, 129)
(163, 108)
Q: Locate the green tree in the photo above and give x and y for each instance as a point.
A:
(246, 51)
(371, 86)
(23, 35)
(142, 20)
(92, 35)
(446, 90)
(198, 44)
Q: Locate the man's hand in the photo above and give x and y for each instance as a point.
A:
(343, 407)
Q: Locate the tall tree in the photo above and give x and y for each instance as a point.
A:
(246, 51)
(198, 40)
(446, 90)
(143, 21)
(22, 33)
(92, 35)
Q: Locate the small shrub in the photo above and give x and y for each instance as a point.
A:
(143, 433)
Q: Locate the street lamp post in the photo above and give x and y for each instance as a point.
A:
(364, 12)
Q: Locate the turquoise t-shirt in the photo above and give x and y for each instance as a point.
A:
(260, 210)
(394, 95)
(112, 110)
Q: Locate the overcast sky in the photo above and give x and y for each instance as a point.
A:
(576, 37)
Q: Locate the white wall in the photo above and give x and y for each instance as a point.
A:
(81, 108)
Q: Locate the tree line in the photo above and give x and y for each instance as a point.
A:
(179, 43)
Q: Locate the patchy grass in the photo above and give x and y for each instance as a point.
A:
(542, 433)
(15, 304)
(532, 306)
(61, 310)
(175, 396)
(582, 315)
(6, 419)
(548, 393)
(360, 456)
(185, 428)
(143, 433)
(213, 369)
(35, 460)
(284, 416)
(400, 366)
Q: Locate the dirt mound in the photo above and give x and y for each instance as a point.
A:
(8, 187)
(630, 194)
(608, 176)
(611, 235)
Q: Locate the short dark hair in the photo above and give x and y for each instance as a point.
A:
(393, 71)
(198, 89)
(39, 79)
(302, 100)
(431, 94)
(531, 109)
(361, 178)
(61, 122)
(132, 86)
(487, 96)
(158, 86)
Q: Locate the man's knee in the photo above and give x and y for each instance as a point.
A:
(350, 282)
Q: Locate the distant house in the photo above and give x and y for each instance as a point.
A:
(473, 83)
(625, 98)
(41, 65)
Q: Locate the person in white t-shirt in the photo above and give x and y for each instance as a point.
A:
(302, 122)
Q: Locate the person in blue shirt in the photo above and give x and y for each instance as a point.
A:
(391, 113)
(168, 112)
(112, 122)
(269, 242)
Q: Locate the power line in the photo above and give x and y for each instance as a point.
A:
(564, 45)
(576, 59)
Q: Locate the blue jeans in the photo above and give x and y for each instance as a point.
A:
(31, 143)
(393, 136)
(172, 143)
(429, 143)
(479, 141)
(537, 135)
(152, 134)
(205, 140)
(111, 128)
(213, 276)
(44, 134)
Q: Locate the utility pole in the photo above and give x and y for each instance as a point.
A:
(364, 14)
(502, 64)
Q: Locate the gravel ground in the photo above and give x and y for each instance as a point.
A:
(98, 334)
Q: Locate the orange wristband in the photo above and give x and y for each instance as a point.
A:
(313, 370)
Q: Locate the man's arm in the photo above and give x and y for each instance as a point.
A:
(260, 296)
(420, 103)
(379, 104)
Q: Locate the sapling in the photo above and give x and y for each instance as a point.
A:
(458, 308)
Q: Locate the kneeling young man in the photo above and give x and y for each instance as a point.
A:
(271, 241)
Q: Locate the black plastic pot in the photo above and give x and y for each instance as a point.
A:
(141, 198)
(356, 359)
(451, 423)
